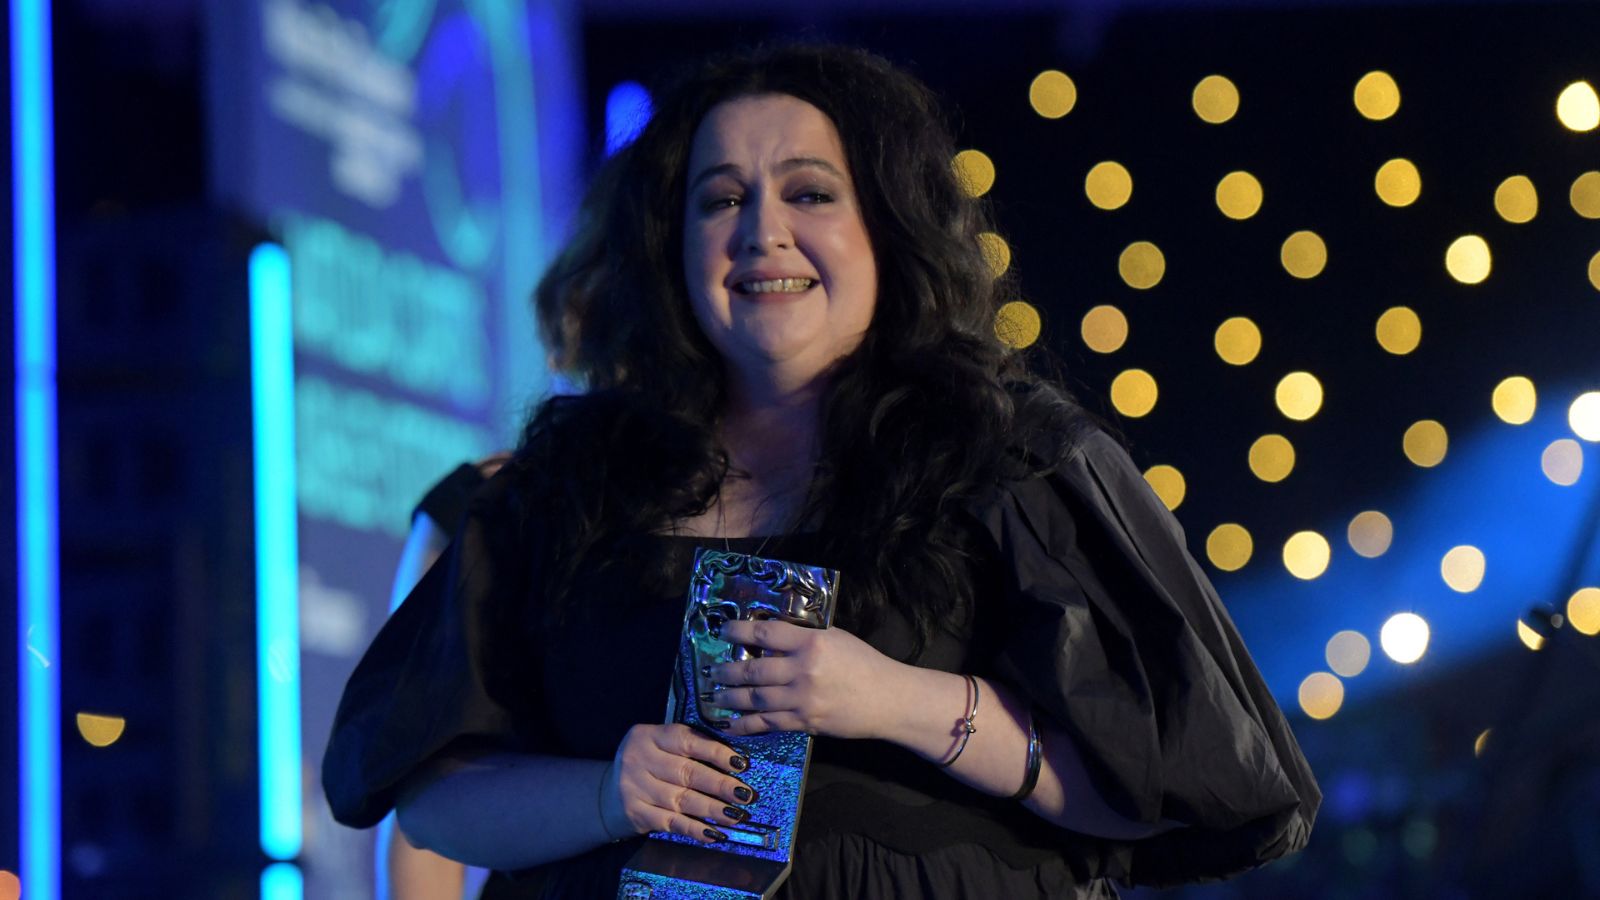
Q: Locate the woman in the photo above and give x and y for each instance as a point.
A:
(781, 310)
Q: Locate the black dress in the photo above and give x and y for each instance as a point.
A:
(1087, 602)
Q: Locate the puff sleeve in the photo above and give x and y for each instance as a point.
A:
(445, 668)
(1117, 636)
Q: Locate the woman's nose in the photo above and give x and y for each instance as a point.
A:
(763, 227)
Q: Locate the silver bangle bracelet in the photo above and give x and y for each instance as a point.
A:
(1030, 779)
(965, 724)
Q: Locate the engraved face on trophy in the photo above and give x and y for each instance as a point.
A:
(729, 586)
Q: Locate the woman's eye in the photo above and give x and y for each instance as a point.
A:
(715, 203)
(814, 197)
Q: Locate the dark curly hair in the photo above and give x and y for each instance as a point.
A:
(923, 416)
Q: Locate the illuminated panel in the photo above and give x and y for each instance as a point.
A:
(628, 110)
(282, 881)
(277, 555)
(38, 533)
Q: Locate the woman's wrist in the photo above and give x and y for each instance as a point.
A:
(927, 705)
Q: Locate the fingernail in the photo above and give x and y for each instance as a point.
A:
(708, 695)
(744, 794)
(706, 671)
(716, 629)
(734, 812)
(719, 724)
(739, 763)
(716, 834)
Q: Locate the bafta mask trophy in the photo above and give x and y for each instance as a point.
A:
(756, 857)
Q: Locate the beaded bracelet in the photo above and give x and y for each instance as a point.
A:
(965, 724)
(1035, 756)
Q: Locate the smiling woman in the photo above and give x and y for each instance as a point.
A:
(779, 301)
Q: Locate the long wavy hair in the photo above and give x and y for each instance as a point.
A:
(927, 413)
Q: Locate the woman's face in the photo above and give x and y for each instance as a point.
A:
(777, 260)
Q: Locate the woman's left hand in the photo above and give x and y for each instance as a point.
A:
(817, 680)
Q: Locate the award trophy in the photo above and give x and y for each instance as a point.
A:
(756, 857)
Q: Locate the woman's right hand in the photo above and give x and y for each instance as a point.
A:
(672, 778)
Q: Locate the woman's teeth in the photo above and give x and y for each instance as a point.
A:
(775, 286)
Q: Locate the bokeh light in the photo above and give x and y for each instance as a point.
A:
(1370, 533)
(1216, 99)
(1462, 568)
(1052, 94)
(1516, 200)
(1398, 182)
(1168, 484)
(1583, 611)
(1306, 555)
(1468, 260)
(1238, 341)
(1426, 443)
(1348, 653)
(1017, 324)
(1399, 330)
(1594, 270)
(996, 252)
(1321, 695)
(974, 172)
(1514, 400)
(1377, 96)
(1404, 637)
(1585, 195)
(1584, 416)
(1562, 461)
(10, 885)
(1239, 195)
(1531, 639)
(1272, 458)
(1229, 546)
(1578, 107)
(1299, 395)
(1304, 255)
(1481, 741)
(1104, 329)
(1133, 393)
(99, 730)
(1141, 265)
(1108, 185)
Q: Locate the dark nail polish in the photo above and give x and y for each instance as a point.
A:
(708, 695)
(716, 834)
(744, 794)
(734, 812)
(719, 724)
(706, 671)
(739, 763)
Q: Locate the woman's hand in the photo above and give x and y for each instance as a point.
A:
(671, 778)
(817, 680)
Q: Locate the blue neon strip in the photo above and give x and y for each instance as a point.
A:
(38, 550)
(277, 553)
(282, 881)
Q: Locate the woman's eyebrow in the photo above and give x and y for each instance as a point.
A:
(788, 165)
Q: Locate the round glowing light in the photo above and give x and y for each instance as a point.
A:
(1481, 742)
(1426, 443)
(1304, 255)
(1585, 195)
(996, 252)
(1514, 400)
(1584, 416)
(1239, 195)
(1108, 185)
(1272, 458)
(1404, 637)
(1216, 100)
(1462, 568)
(1399, 330)
(1531, 639)
(1306, 555)
(1515, 200)
(1348, 653)
(1238, 341)
(1468, 260)
(1562, 461)
(1370, 534)
(1052, 94)
(1133, 393)
(1299, 395)
(1321, 695)
(1168, 484)
(1141, 265)
(100, 731)
(1105, 329)
(1578, 107)
(1398, 182)
(1377, 96)
(10, 885)
(1594, 271)
(974, 172)
(1017, 324)
(1229, 546)
(1583, 611)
